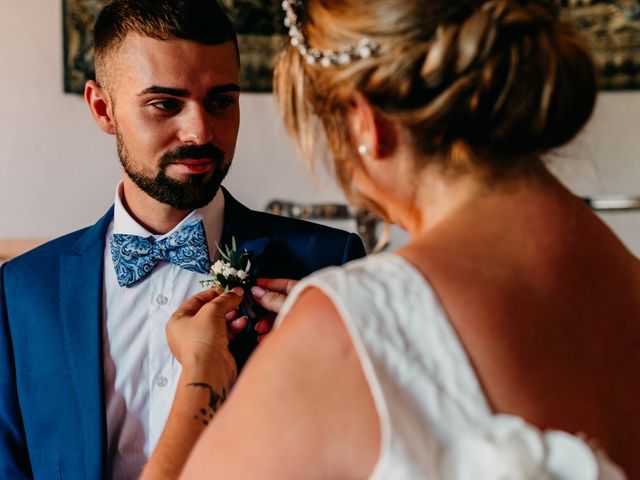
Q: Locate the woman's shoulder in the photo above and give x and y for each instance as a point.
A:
(376, 266)
(384, 284)
(388, 271)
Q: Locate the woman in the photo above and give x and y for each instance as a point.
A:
(502, 341)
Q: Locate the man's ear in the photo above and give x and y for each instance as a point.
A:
(99, 104)
(370, 128)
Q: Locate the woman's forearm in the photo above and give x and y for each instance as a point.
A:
(199, 395)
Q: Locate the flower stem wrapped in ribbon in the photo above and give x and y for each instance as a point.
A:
(231, 271)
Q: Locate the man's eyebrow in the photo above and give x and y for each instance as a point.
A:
(229, 87)
(181, 92)
(175, 92)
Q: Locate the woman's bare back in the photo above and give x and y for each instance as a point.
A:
(546, 301)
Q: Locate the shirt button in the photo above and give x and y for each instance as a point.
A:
(161, 300)
(161, 381)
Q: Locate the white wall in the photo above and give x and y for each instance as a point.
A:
(58, 171)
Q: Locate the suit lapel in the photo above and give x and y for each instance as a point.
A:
(249, 233)
(81, 278)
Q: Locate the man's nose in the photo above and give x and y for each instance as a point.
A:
(196, 127)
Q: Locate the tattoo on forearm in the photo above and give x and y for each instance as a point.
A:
(215, 401)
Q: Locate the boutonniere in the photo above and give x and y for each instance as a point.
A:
(231, 271)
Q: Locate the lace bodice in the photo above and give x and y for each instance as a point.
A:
(435, 420)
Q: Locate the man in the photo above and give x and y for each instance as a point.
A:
(86, 376)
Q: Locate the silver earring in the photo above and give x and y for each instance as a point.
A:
(362, 149)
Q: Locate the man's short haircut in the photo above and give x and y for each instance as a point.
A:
(202, 21)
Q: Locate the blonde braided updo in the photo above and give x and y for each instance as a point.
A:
(500, 80)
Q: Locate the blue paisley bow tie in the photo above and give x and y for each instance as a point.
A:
(134, 257)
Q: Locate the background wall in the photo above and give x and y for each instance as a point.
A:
(58, 171)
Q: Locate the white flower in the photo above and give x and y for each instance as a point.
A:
(218, 267)
(229, 271)
(507, 448)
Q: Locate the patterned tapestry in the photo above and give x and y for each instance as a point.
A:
(260, 36)
(611, 26)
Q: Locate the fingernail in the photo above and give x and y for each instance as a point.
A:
(231, 314)
(258, 292)
(238, 291)
(237, 322)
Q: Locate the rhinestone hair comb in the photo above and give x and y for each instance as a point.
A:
(365, 48)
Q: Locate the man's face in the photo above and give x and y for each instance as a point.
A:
(175, 112)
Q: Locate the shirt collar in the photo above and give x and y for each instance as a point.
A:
(212, 216)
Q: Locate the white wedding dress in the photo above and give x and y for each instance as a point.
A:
(435, 421)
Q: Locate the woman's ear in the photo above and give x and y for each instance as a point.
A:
(99, 104)
(370, 130)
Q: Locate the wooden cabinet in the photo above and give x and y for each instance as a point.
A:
(13, 248)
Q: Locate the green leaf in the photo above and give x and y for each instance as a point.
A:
(222, 254)
(236, 260)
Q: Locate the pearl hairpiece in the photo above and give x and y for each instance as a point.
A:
(365, 48)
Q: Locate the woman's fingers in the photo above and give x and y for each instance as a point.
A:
(237, 326)
(214, 304)
(193, 304)
(265, 325)
(270, 293)
(194, 333)
(282, 285)
(220, 305)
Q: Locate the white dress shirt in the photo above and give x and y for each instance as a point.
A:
(140, 373)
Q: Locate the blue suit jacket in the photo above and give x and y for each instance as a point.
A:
(52, 413)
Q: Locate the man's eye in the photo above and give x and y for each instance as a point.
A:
(220, 103)
(167, 105)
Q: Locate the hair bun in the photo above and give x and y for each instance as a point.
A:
(510, 78)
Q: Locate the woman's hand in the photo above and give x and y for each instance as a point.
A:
(270, 294)
(198, 337)
(198, 334)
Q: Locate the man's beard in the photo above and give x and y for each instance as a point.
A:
(194, 192)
